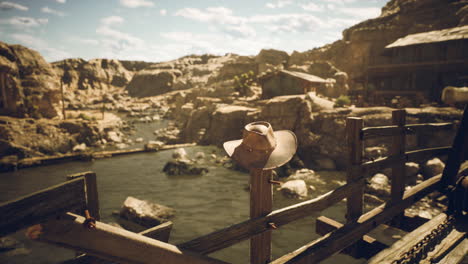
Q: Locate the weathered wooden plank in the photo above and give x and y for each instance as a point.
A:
(354, 201)
(261, 204)
(331, 243)
(36, 207)
(457, 255)
(398, 168)
(115, 244)
(424, 154)
(239, 232)
(407, 242)
(444, 247)
(160, 232)
(369, 168)
(389, 131)
(92, 197)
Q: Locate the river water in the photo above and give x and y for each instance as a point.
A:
(203, 203)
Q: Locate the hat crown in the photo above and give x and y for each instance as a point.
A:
(259, 136)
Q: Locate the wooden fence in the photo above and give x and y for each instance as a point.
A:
(132, 248)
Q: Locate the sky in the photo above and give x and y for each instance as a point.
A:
(157, 30)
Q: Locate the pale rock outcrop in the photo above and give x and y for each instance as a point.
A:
(432, 168)
(151, 82)
(32, 87)
(145, 213)
(379, 186)
(294, 189)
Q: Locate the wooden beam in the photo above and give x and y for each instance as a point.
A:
(407, 242)
(369, 168)
(398, 169)
(92, 197)
(36, 207)
(239, 232)
(389, 131)
(354, 200)
(334, 242)
(115, 244)
(457, 255)
(261, 204)
(160, 232)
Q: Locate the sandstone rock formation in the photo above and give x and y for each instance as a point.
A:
(364, 42)
(29, 86)
(145, 213)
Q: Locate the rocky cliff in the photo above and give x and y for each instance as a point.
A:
(364, 42)
(29, 85)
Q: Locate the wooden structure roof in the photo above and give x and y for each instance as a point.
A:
(300, 75)
(431, 37)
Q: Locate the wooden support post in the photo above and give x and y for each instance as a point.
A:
(261, 204)
(398, 169)
(353, 136)
(92, 195)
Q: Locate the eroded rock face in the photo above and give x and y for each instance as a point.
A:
(144, 212)
(31, 86)
(151, 82)
(364, 42)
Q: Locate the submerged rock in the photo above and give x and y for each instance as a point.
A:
(144, 212)
(294, 189)
(153, 145)
(183, 167)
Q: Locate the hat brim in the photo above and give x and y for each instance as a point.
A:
(286, 146)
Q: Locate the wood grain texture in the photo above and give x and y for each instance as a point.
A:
(398, 168)
(160, 232)
(336, 241)
(354, 200)
(239, 232)
(36, 207)
(261, 204)
(115, 244)
(389, 131)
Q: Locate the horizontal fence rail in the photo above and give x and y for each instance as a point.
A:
(388, 131)
(36, 207)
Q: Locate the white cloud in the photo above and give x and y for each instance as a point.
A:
(112, 20)
(9, 5)
(136, 3)
(115, 41)
(48, 10)
(360, 12)
(288, 22)
(86, 41)
(222, 17)
(163, 12)
(340, 2)
(61, 1)
(49, 53)
(312, 7)
(24, 22)
(279, 4)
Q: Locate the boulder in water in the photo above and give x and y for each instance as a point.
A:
(183, 167)
(153, 145)
(144, 212)
(294, 189)
(432, 168)
(379, 185)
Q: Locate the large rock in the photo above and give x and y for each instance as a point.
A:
(227, 123)
(432, 168)
(151, 82)
(379, 186)
(144, 212)
(287, 112)
(32, 87)
(271, 56)
(294, 189)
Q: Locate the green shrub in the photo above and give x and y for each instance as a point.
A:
(341, 101)
(85, 117)
(243, 81)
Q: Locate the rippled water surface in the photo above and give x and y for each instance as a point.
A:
(203, 203)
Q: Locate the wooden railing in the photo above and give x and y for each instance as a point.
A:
(357, 224)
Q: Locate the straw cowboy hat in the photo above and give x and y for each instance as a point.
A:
(261, 148)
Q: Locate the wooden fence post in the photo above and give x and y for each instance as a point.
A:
(353, 136)
(398, 170)
(261, 204)
(92, 195)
